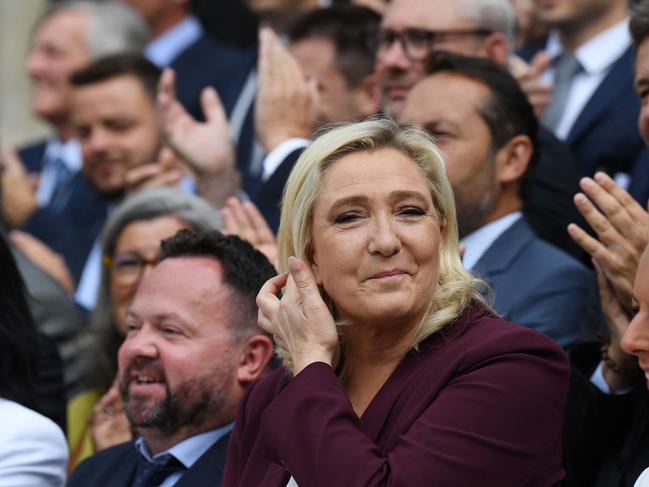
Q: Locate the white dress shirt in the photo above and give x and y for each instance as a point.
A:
(478, 241)
(596, 58)
(33, 449)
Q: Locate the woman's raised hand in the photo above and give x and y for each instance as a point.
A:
(299, 321)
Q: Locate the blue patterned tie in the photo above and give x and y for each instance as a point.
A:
(152, 474)
(62, 178)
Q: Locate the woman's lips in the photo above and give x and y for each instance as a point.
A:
(388, 274)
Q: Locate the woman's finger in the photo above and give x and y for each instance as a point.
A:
(267, 298)
(304, 282)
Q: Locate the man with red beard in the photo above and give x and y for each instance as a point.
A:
(192, 348)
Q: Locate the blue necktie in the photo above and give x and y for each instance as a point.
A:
(62, 178)
(152, 474)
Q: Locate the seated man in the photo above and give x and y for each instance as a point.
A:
(192, 348)
(486, 128)
(333, 49)
(68, 37)
(115, 118)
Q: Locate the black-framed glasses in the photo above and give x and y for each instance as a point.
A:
(127, 268)
(418, 43)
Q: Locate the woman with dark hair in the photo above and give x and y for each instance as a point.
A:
(33, 450)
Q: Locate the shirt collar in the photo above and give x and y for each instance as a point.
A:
(162, 50)
(600, 52)
(190, 449)
(478, 241)
(69, 152)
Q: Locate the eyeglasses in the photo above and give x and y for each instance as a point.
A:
(418, 43)
(127, 268)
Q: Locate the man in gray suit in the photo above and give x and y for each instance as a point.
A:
(486, 128)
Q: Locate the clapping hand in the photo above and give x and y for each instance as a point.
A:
(244, 220)
(286, 101)
(622, 228)
(18, 190)
(538, 92)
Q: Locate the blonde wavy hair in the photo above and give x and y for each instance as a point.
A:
(456, 288)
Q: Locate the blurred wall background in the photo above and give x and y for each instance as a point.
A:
(17, 125)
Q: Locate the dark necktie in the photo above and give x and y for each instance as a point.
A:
(152, 474)
(565, 69)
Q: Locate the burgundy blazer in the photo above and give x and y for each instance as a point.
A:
(481, 403)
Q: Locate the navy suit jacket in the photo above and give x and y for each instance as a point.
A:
(270, 193)
(479, 403)
(115, 467)
(209, 62)
(73, 230)
(605, 135)
(536, 284)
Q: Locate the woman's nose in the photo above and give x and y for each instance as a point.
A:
(384, 238)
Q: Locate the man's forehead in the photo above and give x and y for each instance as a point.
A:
(431, 98)
(423, 14)
(194, 281)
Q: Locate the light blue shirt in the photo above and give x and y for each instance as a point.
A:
(478, 241)
(162, 50)
(68, 152)
(187, 451)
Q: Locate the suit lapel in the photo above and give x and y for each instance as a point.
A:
(122, 470)
(504, 250)
(619, 78)
(208, 469)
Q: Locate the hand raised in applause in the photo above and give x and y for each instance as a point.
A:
(299, 321)
(109, 423)
(206, 146)
(18, 190)
(44, 258)
(623, 374)
(622, 228)
(244, 220)
(166, 171)
(538, 92)
(286, 101)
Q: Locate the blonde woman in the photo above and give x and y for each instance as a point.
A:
(396, 371)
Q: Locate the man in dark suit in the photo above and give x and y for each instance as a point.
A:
(177, 40)
(411, 29)
(64, 204)
(593, 107)
(192, 348)
(487, 130)
(606, 441)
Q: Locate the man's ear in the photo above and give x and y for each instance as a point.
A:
(255, 355)
(496, 48)
(367, 99)
(512, 159)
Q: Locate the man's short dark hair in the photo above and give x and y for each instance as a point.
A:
(639, 23)
(507, 113)
(245, 270)
(110, 67)
(351, 29)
